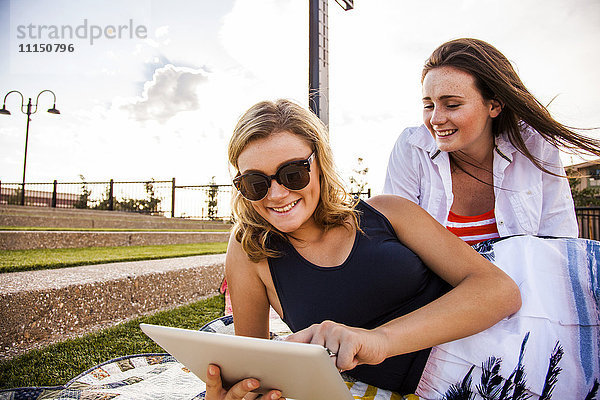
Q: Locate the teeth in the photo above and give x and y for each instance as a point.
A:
(286, 208)
(446, 132)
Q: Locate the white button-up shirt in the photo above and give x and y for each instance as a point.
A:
(528, 201)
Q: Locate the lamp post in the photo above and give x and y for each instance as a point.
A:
(26, 109)
(318, 56)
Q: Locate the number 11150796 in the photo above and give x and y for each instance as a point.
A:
(46, 48)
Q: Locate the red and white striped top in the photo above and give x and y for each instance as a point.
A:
(473, 229)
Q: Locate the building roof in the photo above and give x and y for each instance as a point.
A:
(585, 164)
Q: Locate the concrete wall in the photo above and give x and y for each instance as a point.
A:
(40, 307)
(23, 240)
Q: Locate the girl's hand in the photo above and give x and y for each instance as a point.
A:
(240, 391)
(351, 346)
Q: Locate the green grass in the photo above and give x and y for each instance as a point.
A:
(41, 228)
(27, 260)
(61, 362)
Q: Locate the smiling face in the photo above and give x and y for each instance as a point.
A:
(285, 209)
(456, 114)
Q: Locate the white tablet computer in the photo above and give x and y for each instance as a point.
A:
(301, 371)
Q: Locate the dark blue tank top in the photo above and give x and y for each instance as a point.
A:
(380, 280)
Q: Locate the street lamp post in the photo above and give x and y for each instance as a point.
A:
(318, 56)
(26, 109)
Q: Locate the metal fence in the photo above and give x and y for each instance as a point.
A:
(588, 220)
(212, 202)
(202, 201)
(147, 197)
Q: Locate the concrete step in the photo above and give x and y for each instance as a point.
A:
(41, 307)
(74, 218)
(24, 240)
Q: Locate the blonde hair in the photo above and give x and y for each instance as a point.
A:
(335, 205)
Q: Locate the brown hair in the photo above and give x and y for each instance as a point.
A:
(496, 79)
(260, 121)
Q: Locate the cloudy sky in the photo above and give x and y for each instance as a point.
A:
(163, 106)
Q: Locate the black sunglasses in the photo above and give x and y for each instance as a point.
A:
(294, 175)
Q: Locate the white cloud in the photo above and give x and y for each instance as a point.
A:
(172, 90)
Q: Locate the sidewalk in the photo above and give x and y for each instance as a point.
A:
(41, 307)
